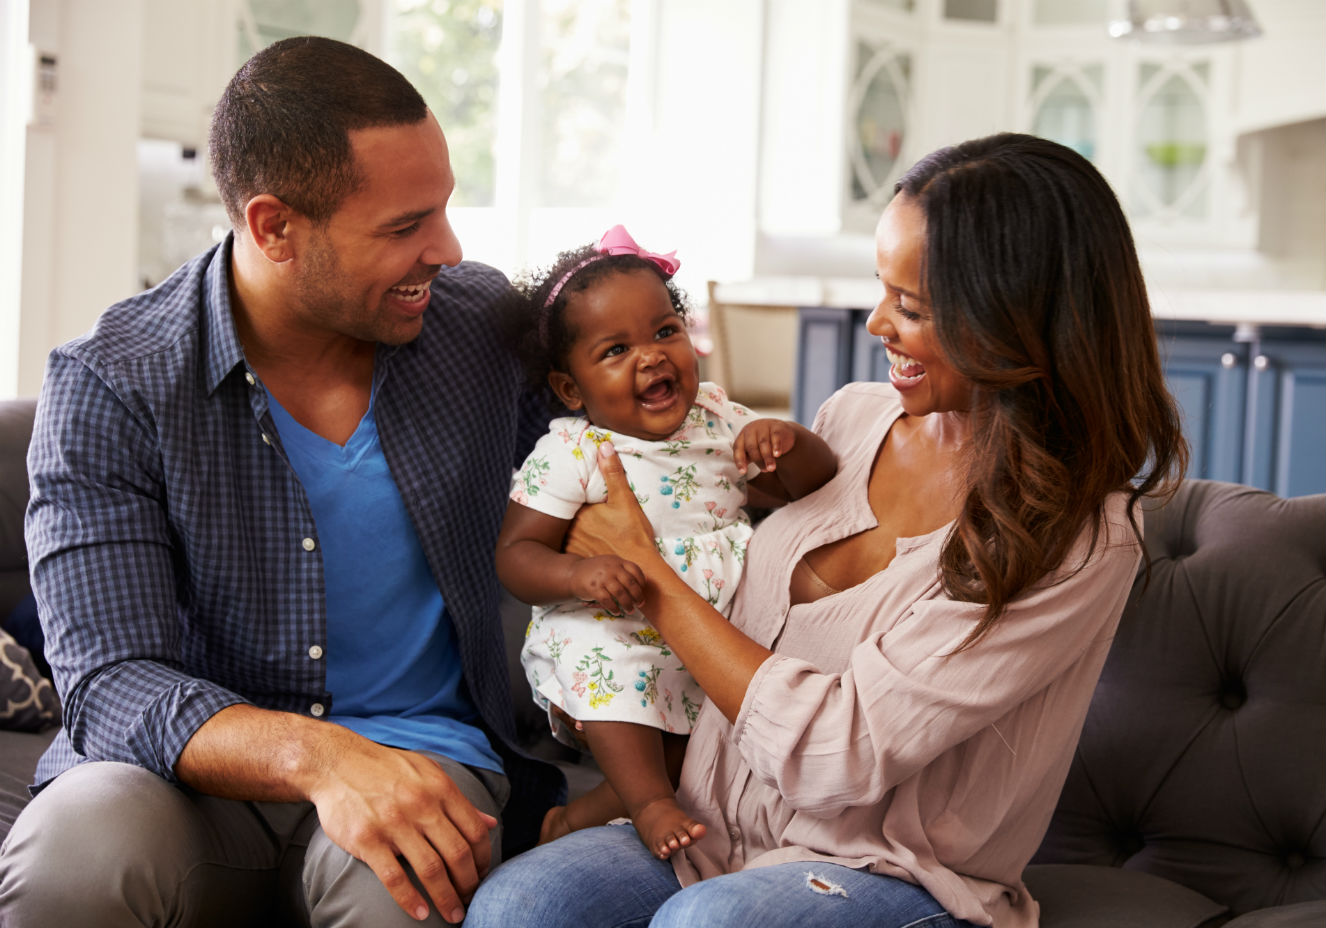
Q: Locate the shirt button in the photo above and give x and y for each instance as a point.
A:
(734, 834)
(315, 652)
(309, 544)
(248, 375)
(316, 710)
(266, 439)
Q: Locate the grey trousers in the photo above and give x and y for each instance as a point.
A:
(113, 846)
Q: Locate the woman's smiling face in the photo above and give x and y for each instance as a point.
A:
(631, 367)
(903, 320)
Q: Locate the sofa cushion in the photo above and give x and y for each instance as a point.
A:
(27, 699)
(1202, 759)
(15, 432)
(19, 753)
(1083, 896)
(1299, 915)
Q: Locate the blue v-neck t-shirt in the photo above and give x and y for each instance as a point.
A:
(393, 667)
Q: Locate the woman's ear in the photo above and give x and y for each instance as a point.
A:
(565, 387)
(268, 220)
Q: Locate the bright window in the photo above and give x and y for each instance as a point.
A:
(542, 102)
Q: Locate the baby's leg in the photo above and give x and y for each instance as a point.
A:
(632, 758)
(598, 806)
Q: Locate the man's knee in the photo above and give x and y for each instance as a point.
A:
(95, 836)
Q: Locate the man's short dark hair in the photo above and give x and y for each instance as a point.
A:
(281, 126)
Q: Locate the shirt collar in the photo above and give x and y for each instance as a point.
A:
(222, 350)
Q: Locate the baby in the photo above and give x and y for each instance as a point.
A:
(605, 329)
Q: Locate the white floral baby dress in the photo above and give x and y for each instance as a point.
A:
(598, 666)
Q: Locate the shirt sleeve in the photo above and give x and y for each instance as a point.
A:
(828, 741)
(553, 478)
(733, 416)
(104, 576)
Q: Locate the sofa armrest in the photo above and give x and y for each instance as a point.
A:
(1088, 896)
(1298, 915)
(19, 753)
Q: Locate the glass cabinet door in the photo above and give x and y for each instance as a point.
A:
(262, 22)
(1066, 105)
(1171, 169)
(877, 121)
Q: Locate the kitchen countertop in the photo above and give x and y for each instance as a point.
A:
(1220, 307)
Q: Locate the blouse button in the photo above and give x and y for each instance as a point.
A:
(309, 544)
(315, 652)
(316, 710)
(735, 834)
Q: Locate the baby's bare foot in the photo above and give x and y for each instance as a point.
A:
(665, 828)
(554, 825)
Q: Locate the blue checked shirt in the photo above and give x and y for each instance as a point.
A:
(174, 555)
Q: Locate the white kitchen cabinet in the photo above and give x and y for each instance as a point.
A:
(185, 67)
(191, 48)
(857, 90)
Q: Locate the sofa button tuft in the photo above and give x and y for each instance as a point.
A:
(1233, 694)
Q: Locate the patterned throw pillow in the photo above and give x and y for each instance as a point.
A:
(27, 699)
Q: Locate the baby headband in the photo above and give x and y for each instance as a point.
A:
(617, 241)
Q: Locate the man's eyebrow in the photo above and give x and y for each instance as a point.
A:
(404, 219)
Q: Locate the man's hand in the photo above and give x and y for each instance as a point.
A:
(389, 807)
(384, 806)
(613, 584)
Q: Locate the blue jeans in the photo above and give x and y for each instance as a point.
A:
(605, 878)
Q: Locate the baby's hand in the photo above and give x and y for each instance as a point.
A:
(763, 441)
(610, 582)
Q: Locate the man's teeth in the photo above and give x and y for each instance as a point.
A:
(415, 292)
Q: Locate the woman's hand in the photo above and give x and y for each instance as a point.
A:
(618, 525)
(720, 658)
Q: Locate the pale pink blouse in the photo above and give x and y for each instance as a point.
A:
(860, 743)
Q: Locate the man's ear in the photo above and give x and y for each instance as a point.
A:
(268, 220)
(565, 387)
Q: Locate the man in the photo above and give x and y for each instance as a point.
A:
(265, 501)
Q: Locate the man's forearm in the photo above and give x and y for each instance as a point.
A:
(243, 752)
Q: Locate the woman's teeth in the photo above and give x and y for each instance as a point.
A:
(905, 368)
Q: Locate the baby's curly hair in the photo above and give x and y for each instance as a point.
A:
(539, 335)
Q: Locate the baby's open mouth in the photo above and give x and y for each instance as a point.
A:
(658, 393)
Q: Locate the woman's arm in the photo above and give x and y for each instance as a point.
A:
(720, 658)
(531, 564)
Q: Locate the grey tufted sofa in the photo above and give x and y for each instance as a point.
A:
(1198, 794)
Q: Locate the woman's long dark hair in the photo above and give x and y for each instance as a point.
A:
(1038, 299)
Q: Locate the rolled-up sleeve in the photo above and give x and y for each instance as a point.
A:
(830, 740)
(102, 562)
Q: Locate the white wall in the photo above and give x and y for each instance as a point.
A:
(80, 211)
(15, 94)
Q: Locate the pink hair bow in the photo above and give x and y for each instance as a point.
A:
(617, 241)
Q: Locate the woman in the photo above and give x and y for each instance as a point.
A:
(893, 707)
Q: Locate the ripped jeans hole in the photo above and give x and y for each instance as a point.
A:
(818, 884)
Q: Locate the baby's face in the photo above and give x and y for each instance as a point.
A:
(631, 367)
